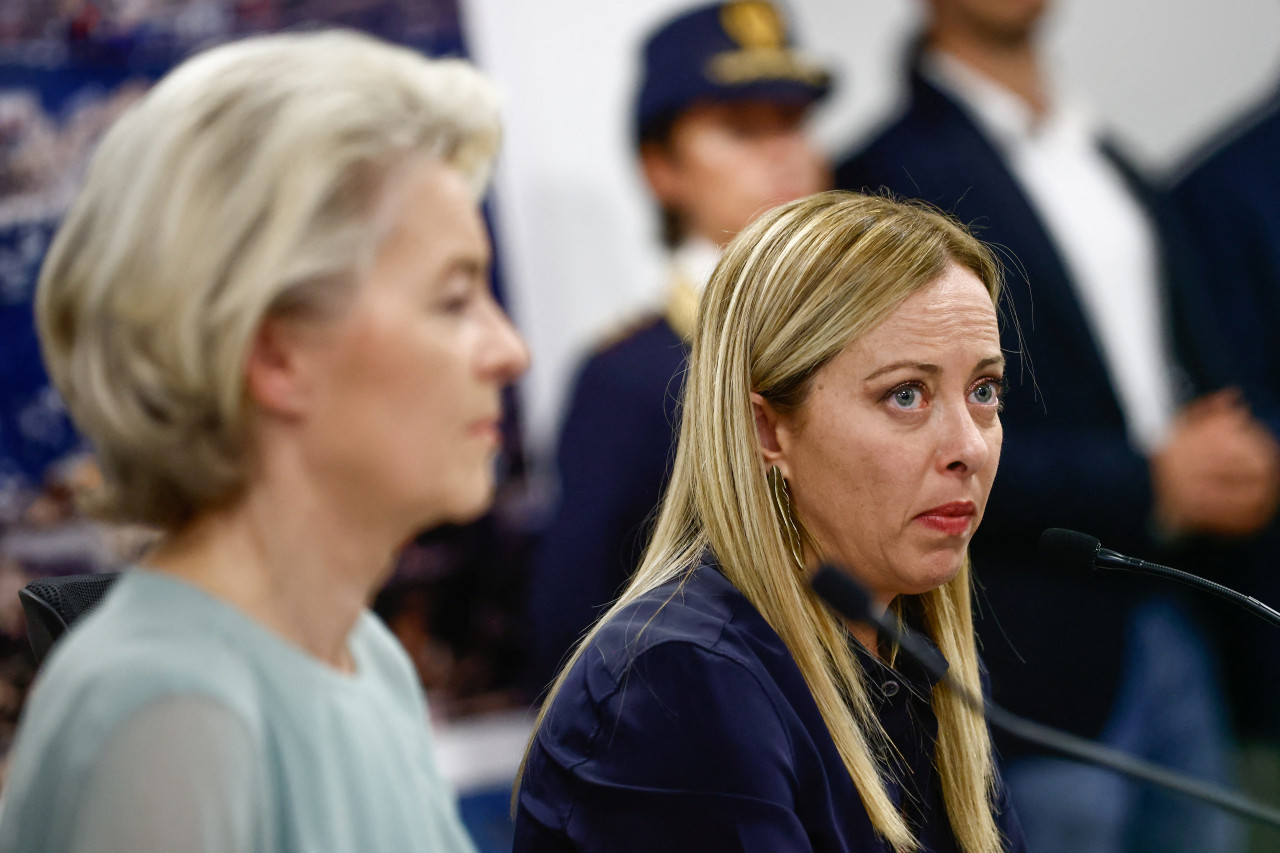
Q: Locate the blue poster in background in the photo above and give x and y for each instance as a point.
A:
(34, 430)
(67, 70)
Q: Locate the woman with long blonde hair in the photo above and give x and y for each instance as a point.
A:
(842, 405)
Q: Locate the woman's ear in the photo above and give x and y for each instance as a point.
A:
(275, 370)
(767, 428)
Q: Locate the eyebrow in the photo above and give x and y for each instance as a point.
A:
(931, 369)
(471, 267)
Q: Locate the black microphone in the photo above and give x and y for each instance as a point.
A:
(848, 598)
(1072, 550)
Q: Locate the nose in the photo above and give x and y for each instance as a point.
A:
(963, 447)
(505, 355)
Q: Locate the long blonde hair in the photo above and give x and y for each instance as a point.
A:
(791, 292)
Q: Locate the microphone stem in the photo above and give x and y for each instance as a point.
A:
(1079, 748)
(850, 600)
(1253, 605)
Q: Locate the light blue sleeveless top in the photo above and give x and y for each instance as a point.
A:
(168, 720)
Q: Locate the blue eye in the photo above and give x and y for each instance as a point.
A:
(986, 392)
(907, 397)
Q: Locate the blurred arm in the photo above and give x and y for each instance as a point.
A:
(182, 774)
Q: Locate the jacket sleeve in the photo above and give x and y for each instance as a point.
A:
(687, 753)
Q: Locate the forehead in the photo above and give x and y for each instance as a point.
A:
(951, 316)
(428, 207)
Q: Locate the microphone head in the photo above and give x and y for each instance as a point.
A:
(845, 595)
(1069, 549)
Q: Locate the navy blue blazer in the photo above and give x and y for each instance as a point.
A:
(614, 457)
(1231, 204)
(687, 726)
(1051, 640)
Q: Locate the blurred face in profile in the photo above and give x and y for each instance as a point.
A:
(724, 163)
(402, 400)
(891, 456)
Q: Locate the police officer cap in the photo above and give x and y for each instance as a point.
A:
(736, 50)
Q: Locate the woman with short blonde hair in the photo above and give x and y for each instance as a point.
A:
(269, 312)
(845, 375)
(245, 184)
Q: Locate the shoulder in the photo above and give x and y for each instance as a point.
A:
(941, 166)
(931, 126)
(1237, 156)
(644, 350)
(668, 708)
(685, 657)
(700, 611)
(142, 643)
(132, 659)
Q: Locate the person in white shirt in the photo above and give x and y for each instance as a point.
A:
(1118, 423)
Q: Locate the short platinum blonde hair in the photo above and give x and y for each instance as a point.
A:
(245, 184)
(790, 293)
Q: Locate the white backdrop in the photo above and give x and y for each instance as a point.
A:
(577, 234)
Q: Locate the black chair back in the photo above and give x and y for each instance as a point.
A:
(53, 604)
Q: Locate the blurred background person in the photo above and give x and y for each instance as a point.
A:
(1229, 196)
(720, 126)
(1111, 427)
(842, 406)
(269, 312)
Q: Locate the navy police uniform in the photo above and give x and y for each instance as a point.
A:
(614, 459)
(617, 441)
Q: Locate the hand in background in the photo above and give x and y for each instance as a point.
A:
(1219, 472)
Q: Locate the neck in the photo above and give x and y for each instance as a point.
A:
(866, 635)
(1012, 63)
(303, 567)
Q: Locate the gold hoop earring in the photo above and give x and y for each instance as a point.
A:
(781, 495)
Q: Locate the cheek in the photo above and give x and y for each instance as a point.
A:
(817, 175)
(406, 375)
(855, 483)
(723, 170)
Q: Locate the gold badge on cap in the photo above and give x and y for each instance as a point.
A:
(754, 24)
(763, 52)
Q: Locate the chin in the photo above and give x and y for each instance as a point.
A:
(469, 504)
(457, 503)
(938, 569)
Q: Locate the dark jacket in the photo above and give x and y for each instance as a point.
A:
(1052, 640)
(1231, 204)
(1230, 201)
(687, 726)
(614, 457)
